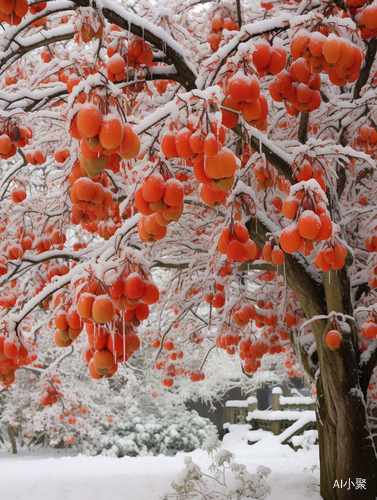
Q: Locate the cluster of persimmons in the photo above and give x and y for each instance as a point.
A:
(110, 315)
(14, 353)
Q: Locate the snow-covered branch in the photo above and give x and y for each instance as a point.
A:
(114, 13)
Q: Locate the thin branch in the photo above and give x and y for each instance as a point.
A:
(36, 260)
(39, 40)
(170, 265)
(29, 100)
(12, 440)
(206, 357)
(60, 358)
(247, 33)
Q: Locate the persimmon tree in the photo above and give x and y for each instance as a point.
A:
(228, 150)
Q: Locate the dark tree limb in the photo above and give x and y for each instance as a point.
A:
(239, 14)
(342, 179)
(338, 291)
(40, 259)
(364, 288)
(276, 161)
(31, 100)
(257, 266)
(170, 265)
(338, 299)
(159, 73)
(303, 128)
(365, 71)
(366, 371)
(306, 359)
(185, 72)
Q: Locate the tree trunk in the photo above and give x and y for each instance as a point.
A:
(347, 451)
(346, 448)
(12, 440)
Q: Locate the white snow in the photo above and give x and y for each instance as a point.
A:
(277, 390)
(271, 415)
(237, 404)
(55, 475)
(296, 400)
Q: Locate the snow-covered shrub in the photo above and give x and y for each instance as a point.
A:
(149, 435)
(227, 480)
(307, 440)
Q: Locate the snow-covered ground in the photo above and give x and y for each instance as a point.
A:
(52, 475)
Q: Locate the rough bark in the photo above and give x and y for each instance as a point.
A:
(346, 447)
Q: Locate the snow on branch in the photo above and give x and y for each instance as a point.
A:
(14, 46)
(245, 34)
(161, 114)
(114, 13)
(331, 315)
(169, 265)
(30, 100)
(8, 177)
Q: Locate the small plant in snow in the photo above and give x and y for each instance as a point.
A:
(227, 479)
(188, 483)
(310, 439)
(313, 468)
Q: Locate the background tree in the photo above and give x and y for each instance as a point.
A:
(227, 145)
(55, 403)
